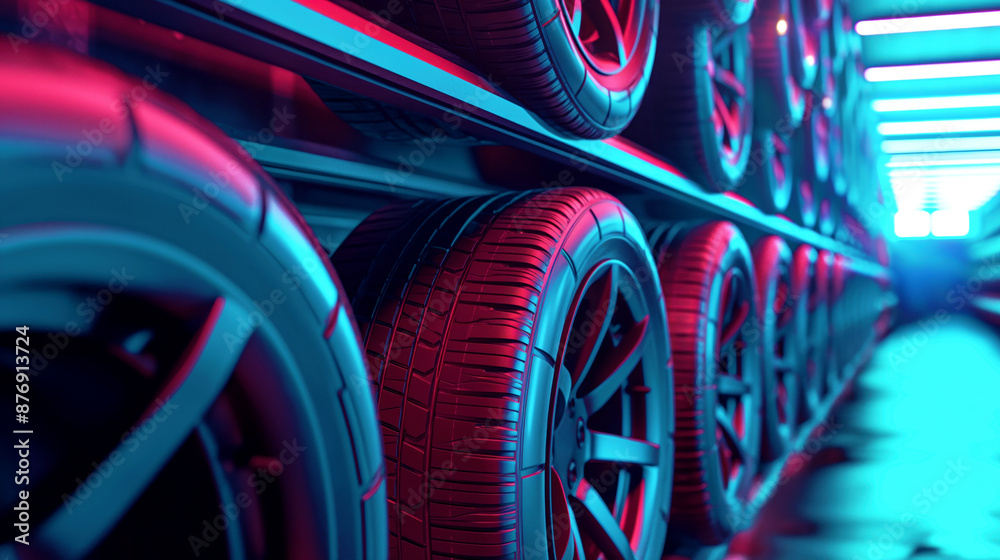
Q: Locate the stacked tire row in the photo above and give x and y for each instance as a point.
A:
(525, 374)
(764, 99)
(550, 384)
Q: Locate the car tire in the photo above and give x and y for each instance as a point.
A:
(232, 349)
(581, 68)
(510, 336)
(779, 315)
(708, 279)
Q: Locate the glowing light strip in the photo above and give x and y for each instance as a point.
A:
(931, 103)
(970, 171)
(941, 145)
(950, 223)
(927, 23)
(938, 127)
(943, 160)
(932, 71)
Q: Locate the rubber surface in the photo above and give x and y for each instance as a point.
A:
(693, 264)
(780, 101)
(83, 152)
(461, 305)
(385, 122)
(681, 121)
(525, 47)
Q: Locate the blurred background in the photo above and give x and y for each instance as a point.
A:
(909, 464)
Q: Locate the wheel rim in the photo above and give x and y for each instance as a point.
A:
(606, 32)
(786, 385)
(183, 348)
(729, 71)
(804, 47)
(605, 457)
(735, 409)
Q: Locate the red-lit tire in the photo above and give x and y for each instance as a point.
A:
(213, 397)
(708, 279)
(535, 50)
(475, 313)
(684, 122)
(780, 102)
(779, 316)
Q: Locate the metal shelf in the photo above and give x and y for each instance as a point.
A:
(333, 44)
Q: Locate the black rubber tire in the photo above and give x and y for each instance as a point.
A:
(679, 122)
(384, 122)
(780, 103)
(780, 314)
(768, 178)
(461, 304)
(526, 47)
(169, 199)
(693, 264)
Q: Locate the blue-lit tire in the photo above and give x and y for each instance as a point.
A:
(768, 180)
(199, 384)
(702, 116)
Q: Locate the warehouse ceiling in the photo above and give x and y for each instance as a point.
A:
(933, 73)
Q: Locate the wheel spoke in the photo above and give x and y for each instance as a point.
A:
(616, 364)
(736, 321)
(599, 524)
(611, 14)
(731, 386)
(728, 80)
(735, 444)
(612, 448)
(606, 293)
(721, 43)
(202, 372)
(725, 114)
(576, 21)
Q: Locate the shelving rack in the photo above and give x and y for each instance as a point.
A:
(333, 44)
